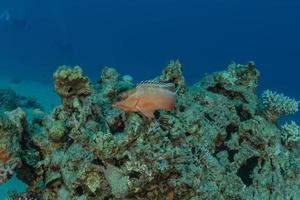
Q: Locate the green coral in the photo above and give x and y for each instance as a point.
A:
(57, 132)
(290, 133)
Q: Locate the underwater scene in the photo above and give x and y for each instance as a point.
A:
(149, 100)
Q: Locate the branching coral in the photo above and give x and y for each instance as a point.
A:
(290, 133)
(276, 105)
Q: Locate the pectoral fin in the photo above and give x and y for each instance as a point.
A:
(148, 113)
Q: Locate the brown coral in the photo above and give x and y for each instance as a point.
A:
(70, 84)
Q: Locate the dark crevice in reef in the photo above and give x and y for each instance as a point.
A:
(156, 114)
(93, 195)
(242, 113)
(231, 154)
(219, 142)
(29, 152)
(163, 127)
(232, 95)
(181, 108)
(26, 174)
(220, 146)
(98, 161)
(70, 141)
(223, 147)
(134, 174)
(107, 198)
(231, 128)
(117, 126)
(121, 161)
(79, 191)
(246, 170)
(206, 115)
(187, 134)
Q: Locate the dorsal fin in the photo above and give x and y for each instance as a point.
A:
(157, 84)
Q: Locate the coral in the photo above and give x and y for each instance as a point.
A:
(290, 133)
(6, 172)
(173, 73)
(117, 182)
(217, 142)
(11, 128)
(108, 85)
(9, 101)
(276, 105)
(30, 195)
(71, 85)
(57, 131)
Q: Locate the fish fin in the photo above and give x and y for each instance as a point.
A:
(148, 83)
(148, 113)
(157, 84)
(169, 107)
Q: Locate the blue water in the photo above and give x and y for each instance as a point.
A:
(139, 37)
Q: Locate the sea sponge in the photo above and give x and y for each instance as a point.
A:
(71, 82)
(276, 105)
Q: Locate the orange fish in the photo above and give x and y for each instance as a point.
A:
(148, 97)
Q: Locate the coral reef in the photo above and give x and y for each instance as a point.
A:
(30, 195)
(290, 133)
(71, 85)
(9, 101)
(217, 143)
(11, 129)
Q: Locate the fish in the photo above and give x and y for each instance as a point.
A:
(147, 97)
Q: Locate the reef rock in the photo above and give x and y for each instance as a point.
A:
(219, 141)
(71, 85)
(11, 129)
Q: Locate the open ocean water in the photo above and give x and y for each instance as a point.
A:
(139, 37)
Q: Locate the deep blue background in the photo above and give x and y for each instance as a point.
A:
(139, 37)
